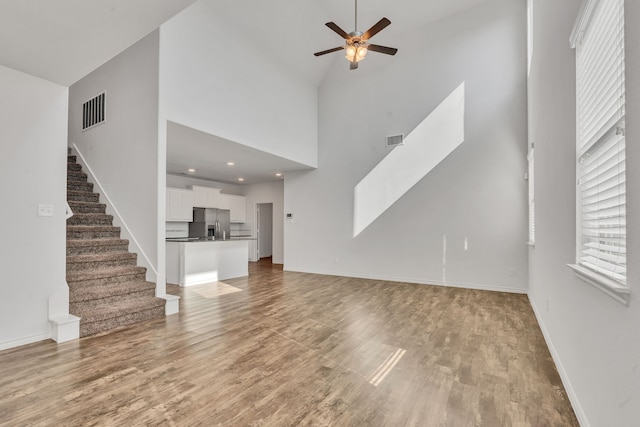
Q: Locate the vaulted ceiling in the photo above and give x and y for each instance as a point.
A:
(64, 40)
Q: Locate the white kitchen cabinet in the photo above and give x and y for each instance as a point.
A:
(179, 205)
(206, 197)
(237, 205)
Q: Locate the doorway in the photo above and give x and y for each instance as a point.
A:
(264, 230)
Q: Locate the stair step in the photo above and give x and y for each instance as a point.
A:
(76, 176)
(108, 294)
(105, 276)
(87, 207)
(82, 196)
(95, 246)
(96, 319)
(72, 166)
(80, 186)
(92, 232)
(107, 290)
(90, 219)
(77, 263)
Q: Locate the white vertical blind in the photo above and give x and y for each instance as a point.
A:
(601, 141)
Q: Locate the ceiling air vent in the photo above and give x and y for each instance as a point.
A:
(93, 111)
(394, 140)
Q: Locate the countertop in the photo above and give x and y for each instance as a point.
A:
(205, 239)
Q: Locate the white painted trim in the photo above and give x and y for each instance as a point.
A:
(604, 284)
(24, 341)
(564, 377)
(172, 304)
(118, 220)
(65, 328)
(416, 281)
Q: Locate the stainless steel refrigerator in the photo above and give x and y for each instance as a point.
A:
(211, 223)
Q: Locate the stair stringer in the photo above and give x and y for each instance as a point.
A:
(118, 221)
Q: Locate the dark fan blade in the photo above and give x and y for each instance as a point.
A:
(353, 66)
(324, 52)
(342, 33)
(382, 49)
(384, 22)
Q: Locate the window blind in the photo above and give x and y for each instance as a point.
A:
(601, 141)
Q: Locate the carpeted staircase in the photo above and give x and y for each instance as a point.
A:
(107, 289)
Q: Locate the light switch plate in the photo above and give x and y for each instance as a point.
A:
(45, 210)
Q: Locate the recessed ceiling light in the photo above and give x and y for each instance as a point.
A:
(192, 170)
(278, 174)
(230, 163)
(240, 179)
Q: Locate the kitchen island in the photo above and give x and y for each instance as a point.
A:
(197, 261)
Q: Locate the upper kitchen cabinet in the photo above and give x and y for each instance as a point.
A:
(206, 197)
(236, 204)
(179, 205)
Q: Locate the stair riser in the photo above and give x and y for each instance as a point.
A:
(76, 176)
(98, 265)
(82, 197)
(71, 159)
(74, 307)
(88, 294)
(90, 220)
(107, 280)
(105, 325)
(73, 166)
(83, 207)
(84, 250)
(79, 186)
(93, 234)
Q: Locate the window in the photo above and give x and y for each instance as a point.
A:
(600, 87)
(532, 206)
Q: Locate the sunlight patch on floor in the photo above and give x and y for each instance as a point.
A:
(214, 289)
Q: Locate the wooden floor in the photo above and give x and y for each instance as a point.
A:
(287, 349)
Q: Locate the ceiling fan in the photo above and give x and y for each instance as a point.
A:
(357, 43)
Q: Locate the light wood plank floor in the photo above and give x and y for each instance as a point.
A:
(299, 349)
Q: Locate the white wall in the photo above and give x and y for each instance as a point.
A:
(216, 80)
(33, 138)
(123, 151)
(269, 192)
(595, 340)
(478, 192)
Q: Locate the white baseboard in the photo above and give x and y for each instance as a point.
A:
(564, 377)
(477, 286)
(24, 341)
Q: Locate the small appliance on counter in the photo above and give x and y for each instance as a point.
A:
(212, 223)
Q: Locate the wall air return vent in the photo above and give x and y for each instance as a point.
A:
(394, 140)
(93, 111)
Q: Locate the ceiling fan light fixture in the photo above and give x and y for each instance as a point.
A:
(355, 52)
(357, 43)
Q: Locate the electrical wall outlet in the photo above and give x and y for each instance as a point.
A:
(45, 210)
